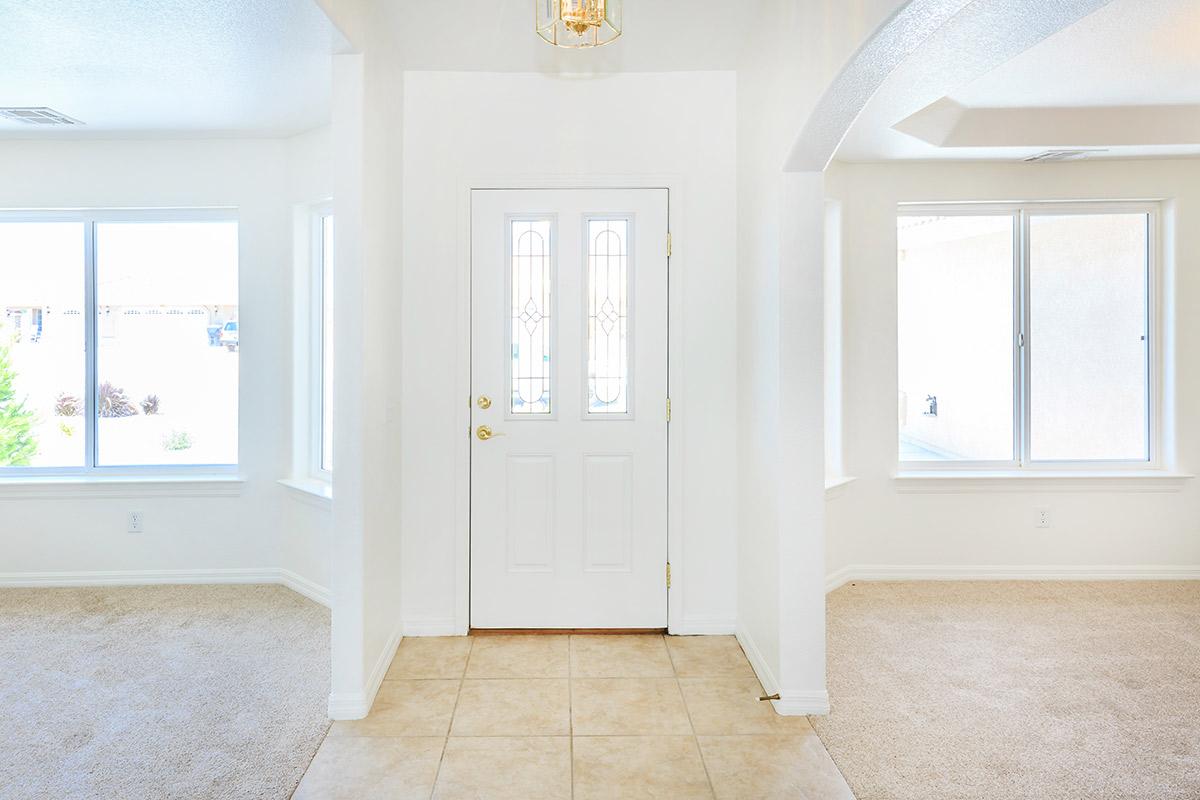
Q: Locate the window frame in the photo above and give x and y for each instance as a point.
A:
(317, 354)
(1022, 213)
(90, 218)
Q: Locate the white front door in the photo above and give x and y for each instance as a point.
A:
(569, 376)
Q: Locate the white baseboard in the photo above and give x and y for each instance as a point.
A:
(433, 626)
(356, 705)
(302, 585)
(802, 704)
(1018, 572)
(838, 578)
(766, 676)
(272, 575)
(790, 703)
(705, 626)
(348, 706)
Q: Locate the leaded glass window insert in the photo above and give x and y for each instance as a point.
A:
(531, 292)
(608, 316)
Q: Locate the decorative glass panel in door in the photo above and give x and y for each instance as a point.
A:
(608, 316)
(531, 265)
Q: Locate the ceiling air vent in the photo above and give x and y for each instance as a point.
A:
(1062, 155)
(37, 116)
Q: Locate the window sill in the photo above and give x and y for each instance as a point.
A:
(311, 489)
(836, 487)
(59, 487)
(952, 482)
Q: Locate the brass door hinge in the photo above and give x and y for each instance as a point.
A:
(668, 409)
(668, 574)
(669, 244)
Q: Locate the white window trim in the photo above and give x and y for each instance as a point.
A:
(62, 487)
(92, 472)
(318, 492)
(1035, 480)
(306, 480)
(1021, 464)
(316, 396)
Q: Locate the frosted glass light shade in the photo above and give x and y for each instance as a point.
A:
(578, 23)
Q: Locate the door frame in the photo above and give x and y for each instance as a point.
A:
(675, 372)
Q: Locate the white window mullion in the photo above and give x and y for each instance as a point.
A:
(91, 346)
(1151, 336)
(316, 363)
(320, 292)
(1023, 343)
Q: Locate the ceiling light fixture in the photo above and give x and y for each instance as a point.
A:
(578, 24)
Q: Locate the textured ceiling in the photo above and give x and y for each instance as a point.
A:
(1129, 53)
(1077, 73)
(965, 48)
(171, 67)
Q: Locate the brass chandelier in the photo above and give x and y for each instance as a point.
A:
(578, 23)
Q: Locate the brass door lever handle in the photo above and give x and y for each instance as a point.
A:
(483, 433)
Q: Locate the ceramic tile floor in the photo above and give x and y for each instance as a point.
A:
(582, 717)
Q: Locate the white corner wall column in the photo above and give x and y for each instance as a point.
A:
(802, 446)
(367, 454)
(781, 622)
(348, 690)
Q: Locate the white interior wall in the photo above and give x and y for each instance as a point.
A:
(786, 67)
(193, 532)
(462, 128)
(1133, 528)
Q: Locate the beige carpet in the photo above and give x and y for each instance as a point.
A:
(160, 692)
(1015, 691)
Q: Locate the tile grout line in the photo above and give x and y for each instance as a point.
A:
(687, 709)
(450, 725)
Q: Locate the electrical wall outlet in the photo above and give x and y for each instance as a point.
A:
(136, 522)
(1042, 518)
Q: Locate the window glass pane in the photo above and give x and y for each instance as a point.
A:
(955, 286)
(608, 317)
(327, 343)
(42, 343)
(1088, 326)
(529, 286)
(168, 339)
